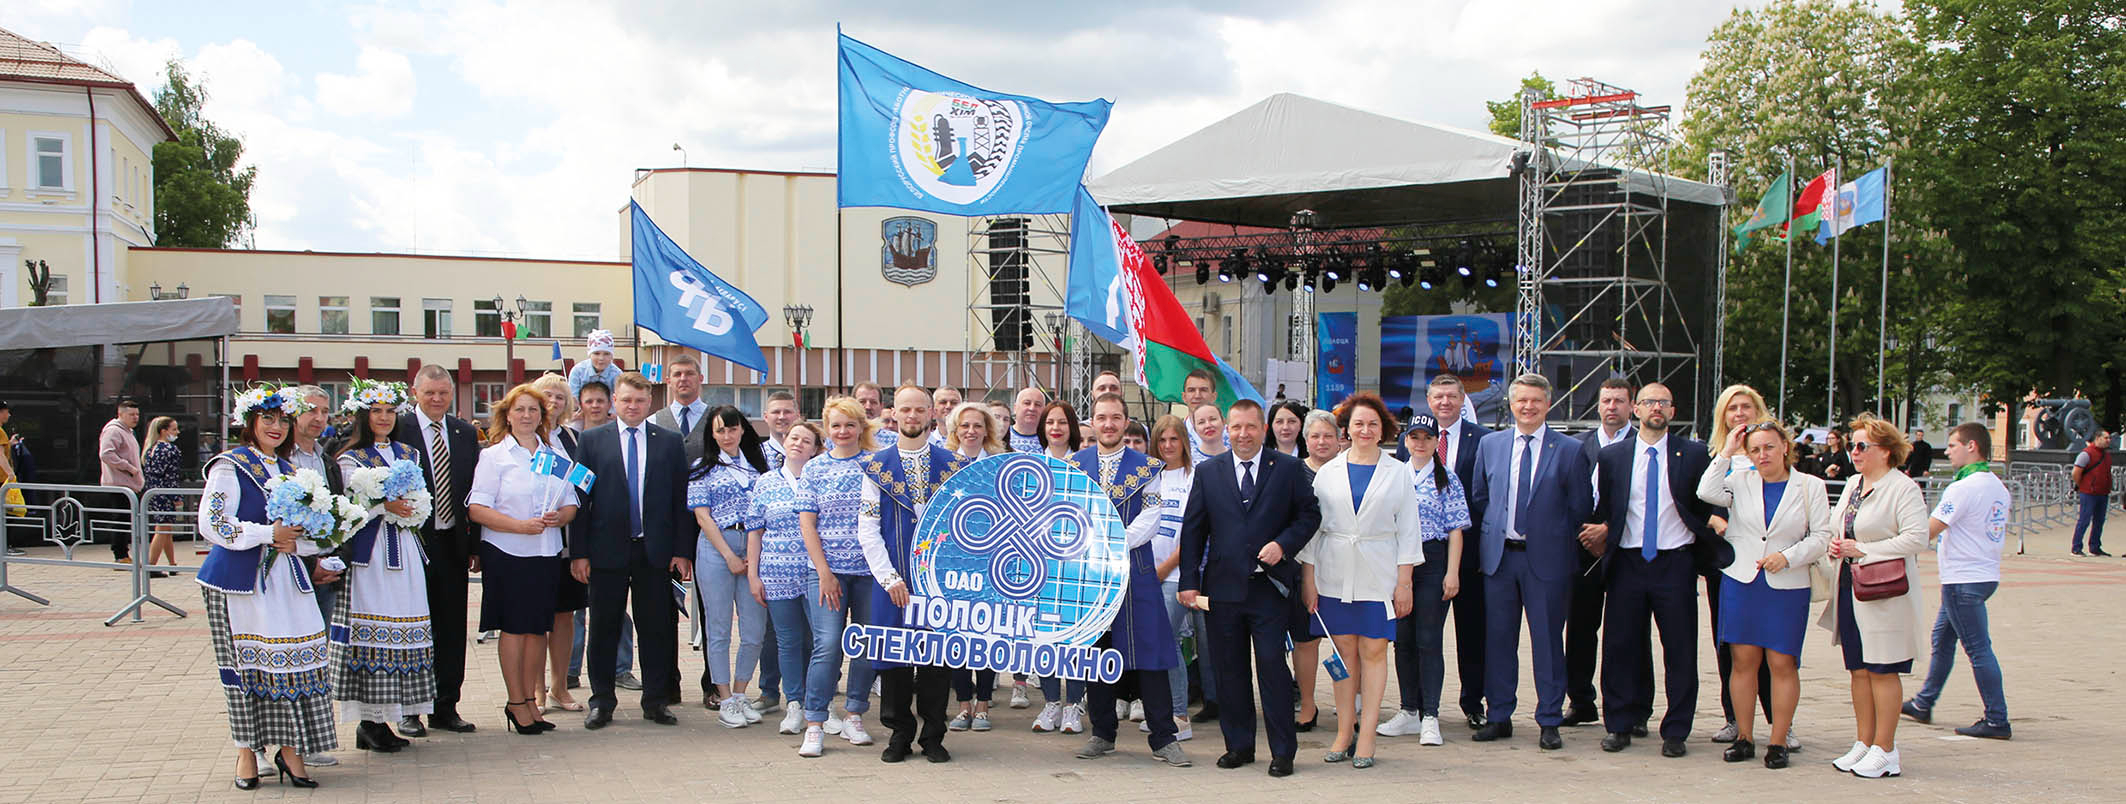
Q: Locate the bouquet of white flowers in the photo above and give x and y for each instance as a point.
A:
(302, 501)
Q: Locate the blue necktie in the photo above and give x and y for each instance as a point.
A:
(1650, 528)
(1524, 486)
(634, 482)
(686, 413)
(1247, 482)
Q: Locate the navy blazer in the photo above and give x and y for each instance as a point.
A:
(1471, 438)
(1686, 461)
(464, 457)
(668, 528)
(1560, 502)
(1220, 537)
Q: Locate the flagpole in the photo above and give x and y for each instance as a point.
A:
(1830, 391)
(1882, 320)
(1786, 299)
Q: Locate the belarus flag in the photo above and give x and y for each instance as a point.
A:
(1115, 293)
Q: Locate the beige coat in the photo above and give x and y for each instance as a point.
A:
(1800, 529)
(1892, 526)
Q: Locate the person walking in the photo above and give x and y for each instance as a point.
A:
(1971, 522)
(2091, 477)
(118, 456)
(1882, 517)
(160, 469)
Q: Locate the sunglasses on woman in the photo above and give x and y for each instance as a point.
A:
(1861, 446)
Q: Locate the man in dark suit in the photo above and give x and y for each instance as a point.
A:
(1533, 485)
(640, 536)
(1459, 438)
(1652, 533)
(1251, 511)
(1583, 623)
(449, 449)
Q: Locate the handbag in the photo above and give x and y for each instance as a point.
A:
(1880, 580)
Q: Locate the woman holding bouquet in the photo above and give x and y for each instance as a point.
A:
(383, 659)
(269, 640)
(520, 512)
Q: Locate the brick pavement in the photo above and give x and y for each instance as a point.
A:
(131, 713)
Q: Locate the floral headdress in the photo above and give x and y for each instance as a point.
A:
(264, 397)
(364, 393)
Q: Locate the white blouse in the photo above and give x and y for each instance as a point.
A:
(217, 514)
(504, 481)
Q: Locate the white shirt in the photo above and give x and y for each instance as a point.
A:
(429, 430)
(1513, 472)
(1976, 511)
(640, 435)
(1602, 440)
(1450, 438)
(504, 481)
(867, 519)
(1355, 554)
(1174, 485)
(1672, 532)
(1242, 467)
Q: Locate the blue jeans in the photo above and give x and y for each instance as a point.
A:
(1177, 616)
(2094, 507)
(1963, 617)
(1053, 690)
(793, 642)
(625, 657)
(720, 593)
(824, 669)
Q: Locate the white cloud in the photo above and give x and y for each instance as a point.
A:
(383, 86)
(135, 59)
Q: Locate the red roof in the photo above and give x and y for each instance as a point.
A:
(36, 62)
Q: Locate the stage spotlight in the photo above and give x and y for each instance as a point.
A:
(1203, 273)
(1334, 272)
(1291, 282)
(1308, 283)
(1328, 284)
(1159, 264)
(1363, 285)
(1225, 274)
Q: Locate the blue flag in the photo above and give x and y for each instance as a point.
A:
(1093, 293)
(545, 462)
(913, 139)
(557, 351)
(683, 303)
(1858, 202)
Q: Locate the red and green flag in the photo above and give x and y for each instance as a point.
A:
(1772, 210)
(1810, 203)
(1161, 335)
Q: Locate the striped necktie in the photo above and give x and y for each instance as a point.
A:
(439, 456)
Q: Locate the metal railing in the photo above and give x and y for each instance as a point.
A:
(71, 516)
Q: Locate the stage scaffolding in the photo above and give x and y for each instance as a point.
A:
(1592, 214)
(1016, 321)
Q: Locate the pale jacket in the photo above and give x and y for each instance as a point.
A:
(1892, 526)
(119, 453)
(1800, 529)
(1355, 554)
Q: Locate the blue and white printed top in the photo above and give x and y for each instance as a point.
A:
(837, 486)
(724, 491)
(1450, 512)
(777, 500)
(1021, 442)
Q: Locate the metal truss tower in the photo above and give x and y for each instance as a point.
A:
(1016, 327)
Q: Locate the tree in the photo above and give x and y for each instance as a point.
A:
(201, 199)
(1506, 114)
(40, 281)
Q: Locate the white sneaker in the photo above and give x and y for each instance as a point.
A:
(751, 714)
(1046, 721)
(1401, 725)
(1793, 743)
(814, 742)
(1122, 710)
(833, 725)
(1877, 764)
(853, 731)
(1428, 732)
(1845, 763)
(1018, 695)
(1183, 729)
(792, 722)
(727, 712)
(1136, 711)
(1727, 733)
(961, 722)
(1073, 719)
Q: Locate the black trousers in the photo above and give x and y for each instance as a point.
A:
(1252, 627)
(925, 686)
(1665, 592)
(448, 561)
(655, 620)
(1726, 659)
(1468, 607)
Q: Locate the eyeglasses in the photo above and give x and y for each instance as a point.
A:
(1861, 446)
(1657, 403)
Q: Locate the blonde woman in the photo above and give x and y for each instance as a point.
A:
(836, 480)
(1168, 440)
(971, 431)
(571, 596)
(159, 464)
(1881, 517)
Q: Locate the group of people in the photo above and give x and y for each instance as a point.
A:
(785, 538)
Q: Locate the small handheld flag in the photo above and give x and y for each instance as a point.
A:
(576, 474)
(1335, 663)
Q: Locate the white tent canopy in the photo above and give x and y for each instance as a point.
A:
(67, 325)
(1354, 168)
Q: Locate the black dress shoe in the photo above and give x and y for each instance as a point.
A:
(2097, 552)
(1493, 731)
(1280, 767)
(367, 738)
(599, 717)
(660, 715)
(1672, 748)
(895, 752)
(449, 721)
(1549, 740)
(410, 726)
(1581, 715)
(1775, 756)
(1207, 714)
(937, 754)
(1741, 750)
(1477, 721)
(1639, 730)
(1616, 741)
(1230, 760)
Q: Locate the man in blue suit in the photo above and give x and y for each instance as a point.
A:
(1534, 486)
(1249, 513)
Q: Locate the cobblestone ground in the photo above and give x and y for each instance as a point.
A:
(132, 713)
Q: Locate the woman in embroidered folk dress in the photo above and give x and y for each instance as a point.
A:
(972, 433)
(520, 513)
(269, 639)
(383, 663)
(717, 492)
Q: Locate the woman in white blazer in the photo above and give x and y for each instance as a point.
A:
(1882, 516)
(1779, 524)
(1356, 572)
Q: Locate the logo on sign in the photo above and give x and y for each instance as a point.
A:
(955, 147)
(703, 305)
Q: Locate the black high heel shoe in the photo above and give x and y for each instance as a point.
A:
(1309, 723)
(247, 784)
(287, 776)
(374, 736)
(520, 728)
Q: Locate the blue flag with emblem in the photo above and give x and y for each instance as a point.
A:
(576, 474)
(682, 302)
(914, 139)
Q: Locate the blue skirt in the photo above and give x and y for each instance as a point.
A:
(1366, 618)
(1754, 613)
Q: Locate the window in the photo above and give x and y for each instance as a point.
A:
(55, 293)
(1956, 414)
(718, 396)
(48, 162)
(538, 319)
(236, 299)
(335, 393)
(280, 314)
(1225, 332)
(485, 395)
(383, 315)
(486, 320)
(587, 318)
(332, 315)
(435, 318)
(811, 401)
(749, 401)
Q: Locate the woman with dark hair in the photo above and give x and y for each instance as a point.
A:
(520, 513)
(383, 666)
(269, 638)
(1063, 706)
(1287, 419)
(718, 491)
(1420, 662)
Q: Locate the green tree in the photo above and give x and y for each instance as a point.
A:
(201, 199)
(2020, 156)
(1506, 114)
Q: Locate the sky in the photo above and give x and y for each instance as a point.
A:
(506, 128)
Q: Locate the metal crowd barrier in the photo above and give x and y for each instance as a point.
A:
(71, 516)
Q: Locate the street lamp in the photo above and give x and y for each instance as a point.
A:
(155, 292)
(797, 316)
(509, 335)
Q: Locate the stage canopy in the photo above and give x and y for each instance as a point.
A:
(66, 325)
(1353, 168)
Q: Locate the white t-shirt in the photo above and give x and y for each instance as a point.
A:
(1976, 511)
(1173, 499)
